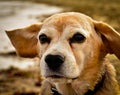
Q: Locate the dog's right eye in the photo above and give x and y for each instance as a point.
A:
(44, 39)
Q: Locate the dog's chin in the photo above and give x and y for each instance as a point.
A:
(59, 79)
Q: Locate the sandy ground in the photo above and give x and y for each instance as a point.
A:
(19, 76)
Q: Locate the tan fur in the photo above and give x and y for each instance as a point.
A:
(84, 65)
(21, 38)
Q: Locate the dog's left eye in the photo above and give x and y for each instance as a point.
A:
(77, 38)
(44, 39)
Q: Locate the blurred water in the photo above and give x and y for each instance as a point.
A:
(16, 14)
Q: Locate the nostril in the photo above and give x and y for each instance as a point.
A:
(54, 61)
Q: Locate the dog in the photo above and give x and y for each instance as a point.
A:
(72, 48)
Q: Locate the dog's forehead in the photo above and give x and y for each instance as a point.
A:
(60, 21)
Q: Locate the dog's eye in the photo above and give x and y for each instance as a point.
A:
(44, 39)
(77, 38)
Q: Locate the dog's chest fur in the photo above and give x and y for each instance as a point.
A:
(104, 85)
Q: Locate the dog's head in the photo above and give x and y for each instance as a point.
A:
(69, 45)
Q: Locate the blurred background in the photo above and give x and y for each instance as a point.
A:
(21, 76)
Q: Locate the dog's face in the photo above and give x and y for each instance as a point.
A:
(69, 45)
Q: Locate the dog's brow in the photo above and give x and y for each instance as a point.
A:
(81, 31)
(47, 31)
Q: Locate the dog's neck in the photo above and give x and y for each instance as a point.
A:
(97, 86)
(89, 92)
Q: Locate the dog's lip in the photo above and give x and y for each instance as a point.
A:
(55, 76)
(59, 77)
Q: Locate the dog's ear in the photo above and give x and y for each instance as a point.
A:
(110, 37)
(25, 40)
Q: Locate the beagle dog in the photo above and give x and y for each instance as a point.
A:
(72, 49)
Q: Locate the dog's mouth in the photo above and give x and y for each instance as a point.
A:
(59, 76)
(60, 79)
(56, 76)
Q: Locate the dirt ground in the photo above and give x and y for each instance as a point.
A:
(19, 82)
(15, 79)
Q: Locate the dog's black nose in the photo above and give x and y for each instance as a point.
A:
(54, 61)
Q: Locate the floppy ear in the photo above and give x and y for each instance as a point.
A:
(25, 40)
(110, 37)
